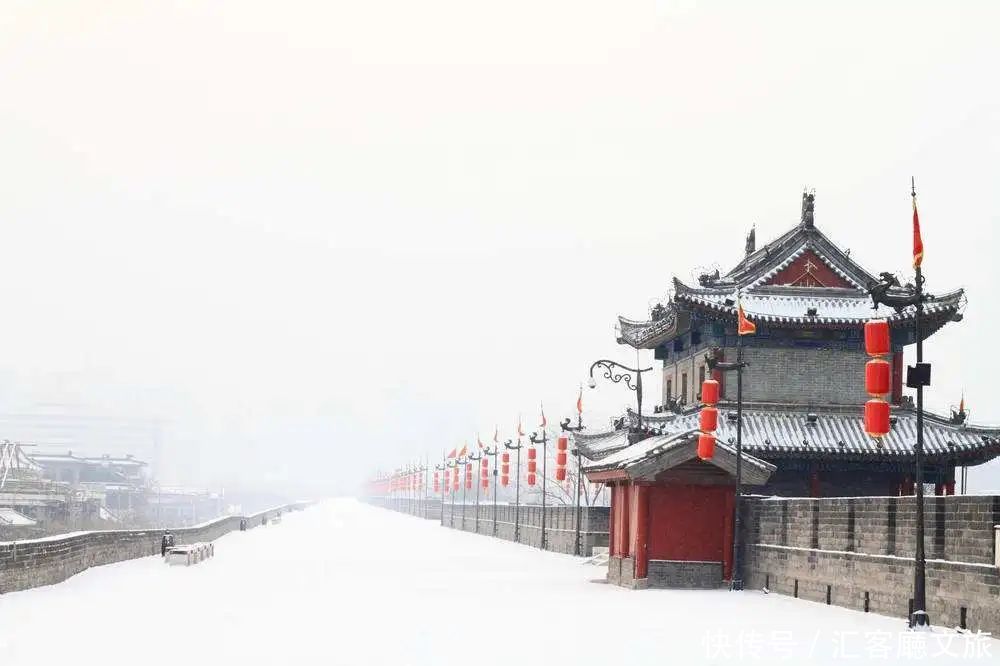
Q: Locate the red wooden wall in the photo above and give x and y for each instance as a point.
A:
(691, 522)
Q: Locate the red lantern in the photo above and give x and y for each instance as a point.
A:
(531, 478)
(877, 341)
(878, 377)
(532, 453)
(708, 420)
(505, 457)
(706, 446)
(877, 418)
(486, 482)
(504, 480)
(710, 392)
(561, 458)
(562, 443)
(532, 467)
(560, 473)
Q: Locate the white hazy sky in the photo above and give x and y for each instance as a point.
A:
(314, 238)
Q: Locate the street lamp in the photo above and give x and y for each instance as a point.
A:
(579, 477)
(517, 487)
(917, 377)
(611, 372)
(493, 452)
(712, 360)
(475, 458)
(443, 468)
(535, 439)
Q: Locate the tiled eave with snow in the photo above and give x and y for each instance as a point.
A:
(646, 459)
(790, 305)
(600, 445)
(774, 432)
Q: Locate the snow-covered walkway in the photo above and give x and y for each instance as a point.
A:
(344, 583)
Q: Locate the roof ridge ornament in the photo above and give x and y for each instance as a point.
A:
(751, 245)
(808, 204)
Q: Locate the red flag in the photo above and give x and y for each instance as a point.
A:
(579, 402)
(520, 428)
(496, 435)
(544, 420)
(918, 243)
(479, 441)
(453, 453)
(464, 451)
(744, 325)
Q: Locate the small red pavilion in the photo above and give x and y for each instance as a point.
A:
(671, 512)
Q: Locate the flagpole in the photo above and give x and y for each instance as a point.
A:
(737, 582)
(478, 482)
(517, 485)
(919, 571)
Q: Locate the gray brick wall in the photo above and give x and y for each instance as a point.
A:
(853, 546)
(789, 374)
(560, 522)
(28, 564)
(684, 575)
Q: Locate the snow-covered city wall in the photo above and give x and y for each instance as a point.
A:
(857, 552)
(36, 562)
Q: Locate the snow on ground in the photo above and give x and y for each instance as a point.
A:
(345, 583)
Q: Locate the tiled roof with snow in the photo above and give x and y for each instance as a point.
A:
(776, 431)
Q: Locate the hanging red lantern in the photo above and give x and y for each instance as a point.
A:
(560, 473)
(706, 446)
(505, 458)
(532, 453)
(561, 458)
(710, 392)
(562, 443)
(531, 478)
(877, 418)
(878, 377)
(504, 480)
(877, 339)
(708, 420)
(532, 466)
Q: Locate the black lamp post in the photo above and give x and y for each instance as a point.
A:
(478, 483)
(611, 371)
(579, 479)
(465, 485)
(493, 452)
(443, 469)
(535, 439)
(517, 487)
(917, 377)
(714, 364)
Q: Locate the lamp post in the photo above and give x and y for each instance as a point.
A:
(517, 487)
(477, 459)
(453, 466)
(714, 364)
(888, 291)
(465, 486)
(493, 452)
(535, 439)
(579, 478)
(611, 371)
(443, 469)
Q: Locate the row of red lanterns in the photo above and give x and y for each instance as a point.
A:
(708, 419)
(878, 377)
(532, 466)
(505, 469)
(562, 447)
(484, 472)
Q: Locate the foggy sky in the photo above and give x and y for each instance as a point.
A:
(316, 238)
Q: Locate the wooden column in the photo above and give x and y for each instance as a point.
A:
(639, 519)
